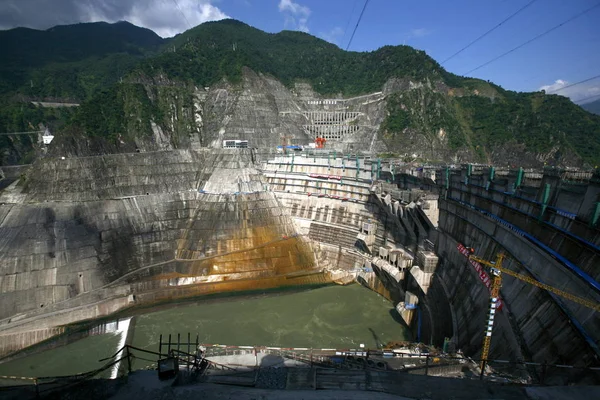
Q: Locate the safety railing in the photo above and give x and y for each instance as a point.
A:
(408, 361)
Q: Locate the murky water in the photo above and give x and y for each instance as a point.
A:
(74, 358)
(328, 317)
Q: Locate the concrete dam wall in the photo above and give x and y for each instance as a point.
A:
(84, 238)
(109, 236)
(546, 223)
(258, 108)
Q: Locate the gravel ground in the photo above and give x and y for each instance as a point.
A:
(271, 378)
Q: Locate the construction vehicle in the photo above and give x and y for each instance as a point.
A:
(496, 270)
(285, 143)
(320, 142)
(235, 144)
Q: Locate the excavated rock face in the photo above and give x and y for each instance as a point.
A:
(420, 119)
(263, 111)
(112, 176)
(259, 109)
(96, 229)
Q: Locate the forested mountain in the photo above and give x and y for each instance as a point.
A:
(140, 85)
(72, 61)
(213, 50)
(63, 64)
(593, 107)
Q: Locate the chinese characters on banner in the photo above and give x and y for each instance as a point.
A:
(482, 274)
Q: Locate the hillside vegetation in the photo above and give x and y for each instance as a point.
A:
(71, 62)
(215, 50)
(464, 115)
(63, 64)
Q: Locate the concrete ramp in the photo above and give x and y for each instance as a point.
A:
(232, 171)
(301, 379)
(247, 378)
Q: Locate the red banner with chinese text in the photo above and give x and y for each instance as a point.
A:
(487, 281)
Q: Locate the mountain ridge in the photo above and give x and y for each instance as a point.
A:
(32, 56)
(593, 107)
(457, 118)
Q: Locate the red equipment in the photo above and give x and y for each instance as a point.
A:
(320, 142)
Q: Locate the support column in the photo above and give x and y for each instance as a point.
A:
(517, 184)
(551, 177)
(491, 177)
(545, 197)
(596, 216)
(447, 183)
(468, 174)
(588, 210)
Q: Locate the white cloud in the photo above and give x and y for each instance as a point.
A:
(575, 93)
(559, 83)
(333, 35)
(419, 32)
(295, 15)
(302, 26)
(167, 20)
(162, 16)
(294, 8)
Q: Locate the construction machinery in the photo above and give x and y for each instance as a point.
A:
(496, 270)
(285, 142)
(320, 142)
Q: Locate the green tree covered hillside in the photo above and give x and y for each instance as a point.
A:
(71, 62)
(220, 49)
(439, 109)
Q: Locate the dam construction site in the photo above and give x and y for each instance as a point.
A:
(87, 239)
(225, 227)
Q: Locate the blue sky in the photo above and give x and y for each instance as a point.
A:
(569, 54)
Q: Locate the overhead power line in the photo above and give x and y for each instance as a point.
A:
(573, 84)
(534, 38)
(349, 19)
(181, 11)
(488, 32)
(578, 101)
(20, 133)
(358, 22)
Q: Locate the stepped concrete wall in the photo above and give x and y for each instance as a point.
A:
(122, 230)
(113, 176)
(543, 330)
(542, 221)
(84, 238)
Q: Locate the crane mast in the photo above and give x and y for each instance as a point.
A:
(496, 270)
